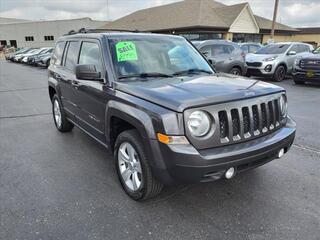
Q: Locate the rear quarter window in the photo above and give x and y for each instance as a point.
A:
(58, 52)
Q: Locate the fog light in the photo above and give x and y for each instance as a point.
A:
(268, 68)
(230, 173)
(281, 153)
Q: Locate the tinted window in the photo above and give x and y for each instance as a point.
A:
(58, 52)
(90, 54)
(254, 48)
(245, 48)
(274, 49)
(72, 55)
(206, 50)
(303, 48)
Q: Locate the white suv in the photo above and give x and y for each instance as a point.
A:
(275, 60)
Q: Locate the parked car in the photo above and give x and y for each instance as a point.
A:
(250, 47)
(43, 60)
(225, 56)
(307, 68)
(20, 56)
(275, 60)
(10, 56)
(165, 123)
(28, 56)
(33, 59)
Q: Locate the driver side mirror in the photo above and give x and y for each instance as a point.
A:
(87, 72)
(292, 53)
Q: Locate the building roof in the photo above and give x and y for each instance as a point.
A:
(187, 14)
(309, 30)
(11, 20)
(266, 24)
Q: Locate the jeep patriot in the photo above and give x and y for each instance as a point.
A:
(163, 111)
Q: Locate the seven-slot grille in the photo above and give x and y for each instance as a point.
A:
(313, 64)
(247, 121)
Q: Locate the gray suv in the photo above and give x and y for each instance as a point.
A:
(275, 60)
(225, 56)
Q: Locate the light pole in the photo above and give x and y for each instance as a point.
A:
(275, 11)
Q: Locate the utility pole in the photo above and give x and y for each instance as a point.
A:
(275, 11)
(108, 17)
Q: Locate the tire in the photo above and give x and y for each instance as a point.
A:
(48, 63)
(129, 170)
(59, 116)
(298, 82)
(236, 71)
(280, 73)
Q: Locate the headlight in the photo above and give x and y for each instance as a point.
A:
(297, 61)
(283, 105)
(199, 123)
(269, 59)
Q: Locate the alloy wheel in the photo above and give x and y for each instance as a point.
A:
(129, 166)
(57, 113)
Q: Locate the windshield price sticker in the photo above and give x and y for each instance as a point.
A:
(126, 51)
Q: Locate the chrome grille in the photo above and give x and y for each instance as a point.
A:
(312, 64)
(248, 121)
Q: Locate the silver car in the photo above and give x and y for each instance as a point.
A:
(225, 56)
(275, 60)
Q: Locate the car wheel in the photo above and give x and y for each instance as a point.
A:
(236, 71)
(279, 74)
(48, 63)
(59, 117)
(298, 82)
(133, 168)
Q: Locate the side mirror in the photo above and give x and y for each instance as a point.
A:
(87, 72)
(292, 53)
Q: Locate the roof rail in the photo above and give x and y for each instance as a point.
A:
(83, 30)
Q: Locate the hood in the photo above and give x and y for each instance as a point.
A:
(181, 93)
(310, 56)
(253, 57)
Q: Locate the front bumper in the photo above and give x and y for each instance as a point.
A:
(185, 164)
(261, 70)
(305, 75)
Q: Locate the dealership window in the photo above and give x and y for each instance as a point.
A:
(246, 37)
(48, 38)
(29, 38)
(201, 36)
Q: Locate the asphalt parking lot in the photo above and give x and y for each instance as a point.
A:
(64, 186)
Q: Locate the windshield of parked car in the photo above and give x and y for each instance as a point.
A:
(156, 56)
(317, 51)
(274, 49)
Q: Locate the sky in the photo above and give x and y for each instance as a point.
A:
(295, 13)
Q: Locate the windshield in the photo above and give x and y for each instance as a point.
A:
(274, 49)
(317, 51)
(154, 56)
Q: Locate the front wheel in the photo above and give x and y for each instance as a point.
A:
(236, 71)
(59, 117)
(280, 73)
(133, 168)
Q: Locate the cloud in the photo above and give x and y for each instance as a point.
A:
(295, 13)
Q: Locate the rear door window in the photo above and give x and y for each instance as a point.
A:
(72, 55)
(58, 52)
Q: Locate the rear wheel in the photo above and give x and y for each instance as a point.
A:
(280, 73)
(133, 168)
(236, 71)
(59, 117)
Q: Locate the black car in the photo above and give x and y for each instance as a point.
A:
(307, 68)
(159, 106)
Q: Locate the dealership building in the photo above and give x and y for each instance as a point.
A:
(208, 19)
(24, 33)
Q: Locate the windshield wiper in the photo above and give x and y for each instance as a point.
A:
(145, 75)
(191, 71)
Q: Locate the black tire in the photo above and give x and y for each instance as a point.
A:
(280, 73)
(298, 82)
(236, 71)
(48, 63)
(65, 125)
(150, 187)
